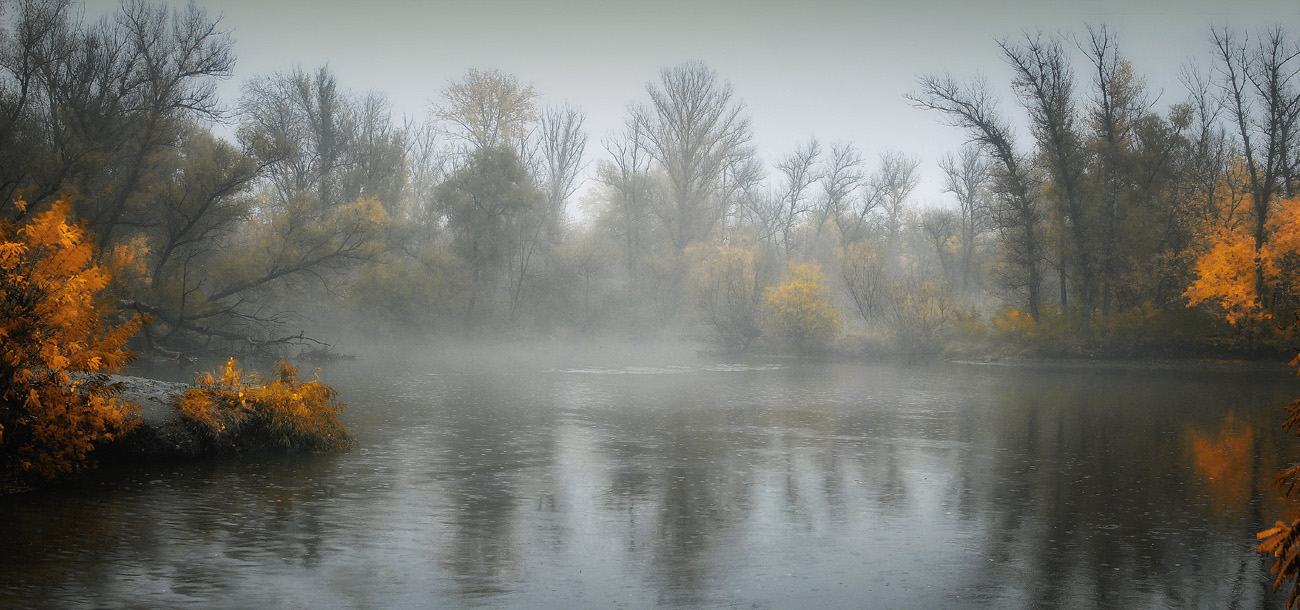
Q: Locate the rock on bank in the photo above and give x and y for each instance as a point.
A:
(162, 432)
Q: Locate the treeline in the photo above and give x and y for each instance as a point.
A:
(329, 210)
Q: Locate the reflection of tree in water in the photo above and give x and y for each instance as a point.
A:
(1228, 468)
(495, 442)
(38, 537)
(680, 467)
(1046, 490)
(703, 498)
(1225, 461)
(689, 474)
(1107, 524)
(188, 517)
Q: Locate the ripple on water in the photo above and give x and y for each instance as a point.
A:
(668, 370)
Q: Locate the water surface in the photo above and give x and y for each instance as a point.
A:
(585, 482)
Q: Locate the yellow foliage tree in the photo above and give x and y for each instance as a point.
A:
(921, 312)
(800, 311)
(56, 347)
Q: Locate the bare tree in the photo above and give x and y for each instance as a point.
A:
(558, 146)
(742, 177)
(377, 166)
(562, 141)
(628, 176)
(744, 191)
(1211, 147)
(967, 177)
(427, 166)
(863, 267)
(299, 125)
(1044, 82)
(891, 184)
(1018, 213)
(89, 108)
(1119, 101)
(693, 129)
(798, 172)
(940, 225)
(853, 218)
(841, 178)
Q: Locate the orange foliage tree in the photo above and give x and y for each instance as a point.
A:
(56, 346)
(1226, 274)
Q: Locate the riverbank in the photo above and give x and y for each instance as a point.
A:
(161, 431)
(235, 413)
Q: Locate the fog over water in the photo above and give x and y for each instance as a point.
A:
(672, 480)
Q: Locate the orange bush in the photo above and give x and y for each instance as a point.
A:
(237, 411)
(1014, 323)
(55, 347)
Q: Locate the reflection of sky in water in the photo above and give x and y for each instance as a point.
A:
(669, 370)
(698, 485)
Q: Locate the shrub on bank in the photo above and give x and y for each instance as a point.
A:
(800, 311)
(56, 347)
(238, 411)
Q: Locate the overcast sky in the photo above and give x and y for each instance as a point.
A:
(833, 70)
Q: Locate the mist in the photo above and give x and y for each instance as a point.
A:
(1077, 190)
(634, 305)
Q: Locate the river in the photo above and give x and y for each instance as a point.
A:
(526, 481)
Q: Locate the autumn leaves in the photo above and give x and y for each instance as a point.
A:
(55, 339)
(58, 340)
(1247, 282)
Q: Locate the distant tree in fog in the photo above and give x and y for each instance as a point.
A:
(940, 226)
(561, 142)
(482, 202)
(727, 285)
(555, 151)
(800, 311)
(891, 184)
(866, 278)
(626, 175)
(798, 173)
(488, 108)
(693, 129)
(966, 176)
(319, 142)
(841, 178)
